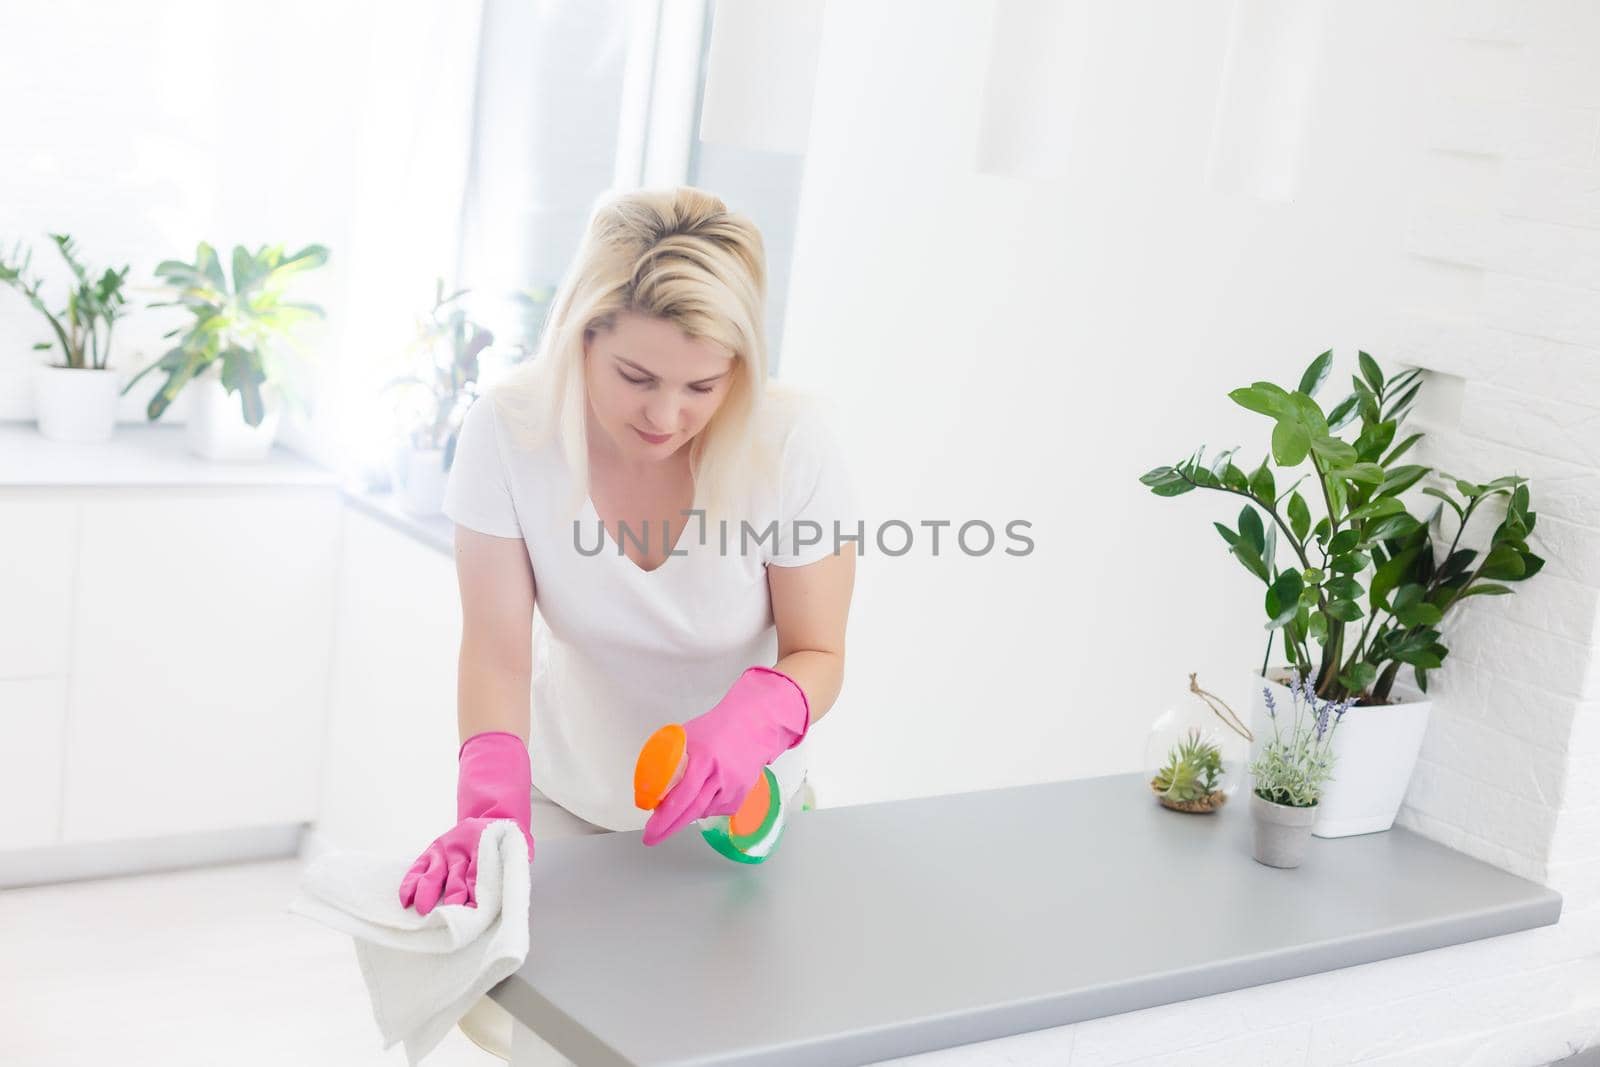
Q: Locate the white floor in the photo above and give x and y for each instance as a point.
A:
(200, 967)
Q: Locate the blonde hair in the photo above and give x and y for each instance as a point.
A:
(677, 254)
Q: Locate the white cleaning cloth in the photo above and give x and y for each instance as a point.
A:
(424, 971)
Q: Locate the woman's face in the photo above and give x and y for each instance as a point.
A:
(651, 388)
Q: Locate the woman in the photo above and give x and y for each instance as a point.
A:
(684, 529)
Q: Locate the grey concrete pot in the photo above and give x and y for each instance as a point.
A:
(1279, 832)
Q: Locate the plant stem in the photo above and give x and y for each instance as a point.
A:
(1454, 541)
(1299, 549)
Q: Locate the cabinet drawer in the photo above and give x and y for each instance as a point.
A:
(38, 548)
(32, 720)
(204, 621)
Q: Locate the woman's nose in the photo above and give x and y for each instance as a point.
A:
(661, 418)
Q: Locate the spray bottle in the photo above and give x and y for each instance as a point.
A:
(748, 835)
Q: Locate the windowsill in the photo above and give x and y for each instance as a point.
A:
(434, 531)
(884, 930)
(139, 456)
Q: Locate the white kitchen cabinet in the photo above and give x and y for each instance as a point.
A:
(203, 626)
(32, 721)
(38, 549)
(389, 779)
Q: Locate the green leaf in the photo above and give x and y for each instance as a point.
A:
(1343, 412)
(1283, 599)
(1424, 658)
(1373, 440)
(1344, 610)
(1401, 449)
(1312, 576)
(1359, 677)
(1422, 614)
(1367, 473)
(1385, 505)
(1468, 489)
(1290, 443)
(1317, 627)
(1344, 541)
(1334, 452)
(1399, 479)
(1389, 575)
(1250, 529)
(1442, 495)
(1251, 560)
(1351, 562)
(1399, 405)
(1344, 587)
(1299, 516)
(1227, 534)
(1370, 371)
(1503, 562)
(1407, 597)
(1263, 397)
(1484, 589)
(1392, 526)
(1336, 496)
(1314, 374)
(1368, 400)
(1262, 483)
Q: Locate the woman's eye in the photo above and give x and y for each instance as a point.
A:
(702, 389)
(636, 381)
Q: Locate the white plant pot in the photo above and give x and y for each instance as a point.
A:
(422, 479)
(216, 429)
(1375, 750)
(76, 405)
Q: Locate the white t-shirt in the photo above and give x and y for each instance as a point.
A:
(618, 651)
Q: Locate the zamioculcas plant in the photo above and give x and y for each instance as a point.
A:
(246, 325)
(445, 383)
(83, 327)
(1365, 587)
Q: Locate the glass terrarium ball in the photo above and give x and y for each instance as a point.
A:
(1192, 759)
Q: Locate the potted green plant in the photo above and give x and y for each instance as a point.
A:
(1365, 586)
(432, 400)
(239, 342)
(1189, 753)
(1289, 775)
(76, 399)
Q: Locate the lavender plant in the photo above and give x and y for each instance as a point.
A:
(1293, 771)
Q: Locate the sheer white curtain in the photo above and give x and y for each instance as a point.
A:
(580, 97)
(557, 86)
(413, 139)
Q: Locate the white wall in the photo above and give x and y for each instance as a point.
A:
(1003, 347)
(143, 129)
(1013, 348)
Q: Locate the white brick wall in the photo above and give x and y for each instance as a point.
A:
(1503, 304)
(1511, 764)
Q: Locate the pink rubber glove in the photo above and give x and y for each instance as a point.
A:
(765, 714)
(494, 782)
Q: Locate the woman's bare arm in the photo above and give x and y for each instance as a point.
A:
(811, 607)
(497, 597)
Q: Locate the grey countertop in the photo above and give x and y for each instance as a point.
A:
(883, 930)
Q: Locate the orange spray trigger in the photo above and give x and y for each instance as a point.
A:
(660, 766)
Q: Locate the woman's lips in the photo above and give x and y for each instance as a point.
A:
(656, 439)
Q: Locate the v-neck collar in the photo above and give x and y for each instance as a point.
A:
(611, 548)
